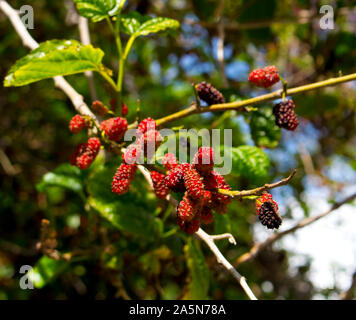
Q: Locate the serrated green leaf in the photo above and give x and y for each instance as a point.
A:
(155, 25)
(45, 270)
(250, 162)
(130, 212)
(97, 10)
(131, 22)
(264, 131)
(54, 58)
(199, 284)
(65, 176)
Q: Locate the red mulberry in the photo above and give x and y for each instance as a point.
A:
(204, 160)
(159, 185)
(121, 181)
(132, 154)
(77, 123)
(124, 109)
(114, 128)
(175, 178)
(187, 208)
(264, 78)
(86, 153)
(189, 227)
(169, 161)
(194, 184)
(285, 115)
(206, 215)
(147, 125)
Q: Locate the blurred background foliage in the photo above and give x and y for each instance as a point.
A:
(139, 253)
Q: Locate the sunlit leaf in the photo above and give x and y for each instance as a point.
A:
(54, 58)
(250, 162)
(155, 25)
(97, 10)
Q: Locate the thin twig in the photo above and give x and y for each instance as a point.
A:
(276, 236)
(259, 190)
(221, 259)
(85, 39)
(76, 99)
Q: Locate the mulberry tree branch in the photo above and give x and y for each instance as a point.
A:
(241, 105)
(27, 40)
(276, 236)
(209, 240)
(258, 191)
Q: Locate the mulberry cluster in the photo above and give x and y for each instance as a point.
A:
(78, 123)
(114, 128)
(85, 153)
(127, 170)
(209, 94)
(286, 118)
(200, 184)
(267, 211)
(264, 78)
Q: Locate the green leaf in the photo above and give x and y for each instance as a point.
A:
(131, 22)
(131, 212)
(250, 162)
(45, 270)
(199, 285)
(54, 58)
(264, 131)
(97, 10)
(155, 25)
(65, 176)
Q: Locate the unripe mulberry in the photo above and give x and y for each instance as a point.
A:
(206, 215)
(204, 160)
(147, 125)
(77, 123)
(267, 211)
(264, 78)
(169, 161)
(285, 115)
(175, 177)
(99, 108)
(187, 208)
(114, 128)
(189, 227)
(209, 94)
(86, 153)
(159, 185)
